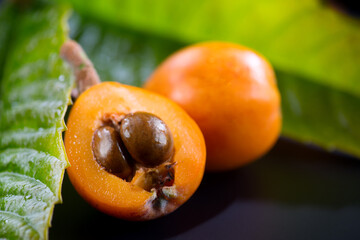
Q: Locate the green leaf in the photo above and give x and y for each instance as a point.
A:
(314, 49)
(120, 54)
(304, 37)
(323, 115)
(6, 22)
(35, 92)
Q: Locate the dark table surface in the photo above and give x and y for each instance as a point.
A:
(294, 192)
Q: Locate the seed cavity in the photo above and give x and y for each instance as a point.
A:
(139, 148)
(155, 178)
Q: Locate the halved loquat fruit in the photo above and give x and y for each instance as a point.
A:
(134, 154)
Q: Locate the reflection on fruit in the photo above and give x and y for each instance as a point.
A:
(231, 92)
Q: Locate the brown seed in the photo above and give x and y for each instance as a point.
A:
(110, 152)
(147, 138)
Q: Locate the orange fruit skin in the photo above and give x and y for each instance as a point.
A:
(231, 92)
(112, 194)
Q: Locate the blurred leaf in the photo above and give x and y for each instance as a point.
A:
(323, 115)
(315, 52)
(6, 22)
(306, 37)
(120, 54)
(35, 90)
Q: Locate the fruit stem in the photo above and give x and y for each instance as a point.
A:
(85, 73)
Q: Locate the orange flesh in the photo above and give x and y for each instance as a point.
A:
(107, 192)
(231, 93)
